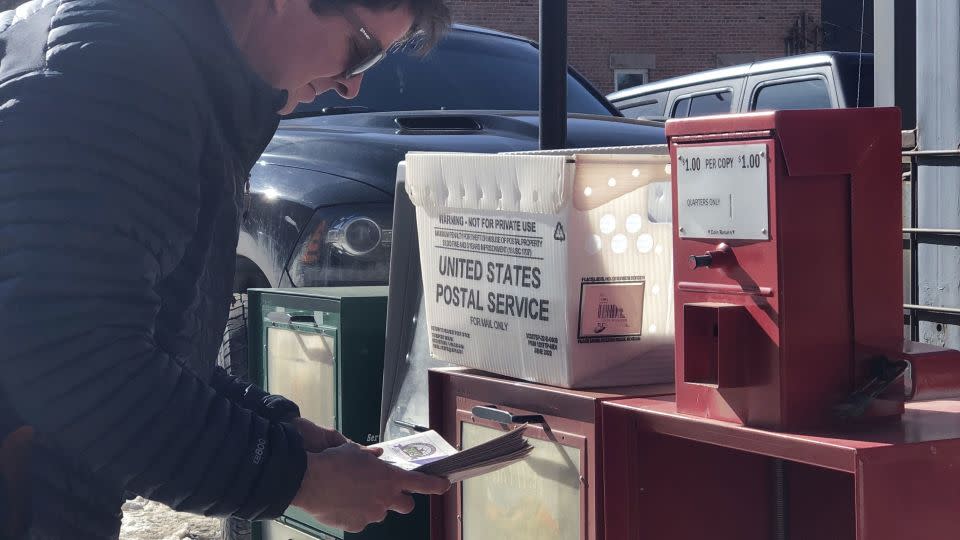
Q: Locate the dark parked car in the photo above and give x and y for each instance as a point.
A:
(320, 198)
(828, 80)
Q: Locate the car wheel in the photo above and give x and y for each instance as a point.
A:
(233, 358)
(236, 529)
(233, 350)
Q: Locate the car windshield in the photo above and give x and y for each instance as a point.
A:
(466, 71)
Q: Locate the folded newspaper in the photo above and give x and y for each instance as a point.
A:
(429, 453)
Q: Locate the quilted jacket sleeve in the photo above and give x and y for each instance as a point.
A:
(253, 397)
(99, 195)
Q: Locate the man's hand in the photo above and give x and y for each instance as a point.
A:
(347, 487)
(316, 438)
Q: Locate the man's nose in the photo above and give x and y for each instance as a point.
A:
(349, 88)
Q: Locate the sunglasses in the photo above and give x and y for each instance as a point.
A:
(367, 50)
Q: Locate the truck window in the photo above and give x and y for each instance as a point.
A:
(650, 108)
(643, 106)
(805, 94)
(707, 104)
(703, 105)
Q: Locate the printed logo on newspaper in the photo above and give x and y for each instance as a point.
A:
(417, 450)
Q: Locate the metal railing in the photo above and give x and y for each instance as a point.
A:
(915, 312)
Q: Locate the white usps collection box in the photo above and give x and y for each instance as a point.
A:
(555, 269)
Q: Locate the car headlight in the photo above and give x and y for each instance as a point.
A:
(344, 246)
(356, 235)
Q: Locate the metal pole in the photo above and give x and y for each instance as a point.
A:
(553, 74)
(937, 202)
(895, 57)
(914, 252)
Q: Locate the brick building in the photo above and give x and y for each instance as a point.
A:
(641, 40)
(655, 39)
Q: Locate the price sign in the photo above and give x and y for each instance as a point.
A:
(722, 192)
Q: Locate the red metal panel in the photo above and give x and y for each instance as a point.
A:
(714, 337)
(886, 481)
(824, 289)
(820, 450)
(817, 324)
(723, 123)
(741, 284)
(819, 503)
(700, 343)
(864, 144)
(658, 487)
(909, 491)
(934, 371)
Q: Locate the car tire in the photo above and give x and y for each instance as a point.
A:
(233, 358)
(236, 529)
(233, 350)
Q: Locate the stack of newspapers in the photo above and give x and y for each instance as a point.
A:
(429, 453)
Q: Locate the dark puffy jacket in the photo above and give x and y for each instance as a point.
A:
(127, 130)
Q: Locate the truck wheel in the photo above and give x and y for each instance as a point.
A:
(233, 358)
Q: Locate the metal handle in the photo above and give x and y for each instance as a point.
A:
(885, 372)
(701, 261)
(282, 317)
(411, 426)
(491, 412)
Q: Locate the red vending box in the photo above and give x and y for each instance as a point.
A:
(555, 493)
(787, 262)
(789, 420)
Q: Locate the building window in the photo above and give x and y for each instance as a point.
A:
(628, 78)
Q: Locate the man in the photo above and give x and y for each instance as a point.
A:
(127, 130)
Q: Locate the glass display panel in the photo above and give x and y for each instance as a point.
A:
(535, 499)
(301, 366)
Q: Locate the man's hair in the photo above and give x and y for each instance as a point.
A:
(431, 18)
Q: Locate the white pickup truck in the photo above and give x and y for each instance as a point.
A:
(826, 80)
